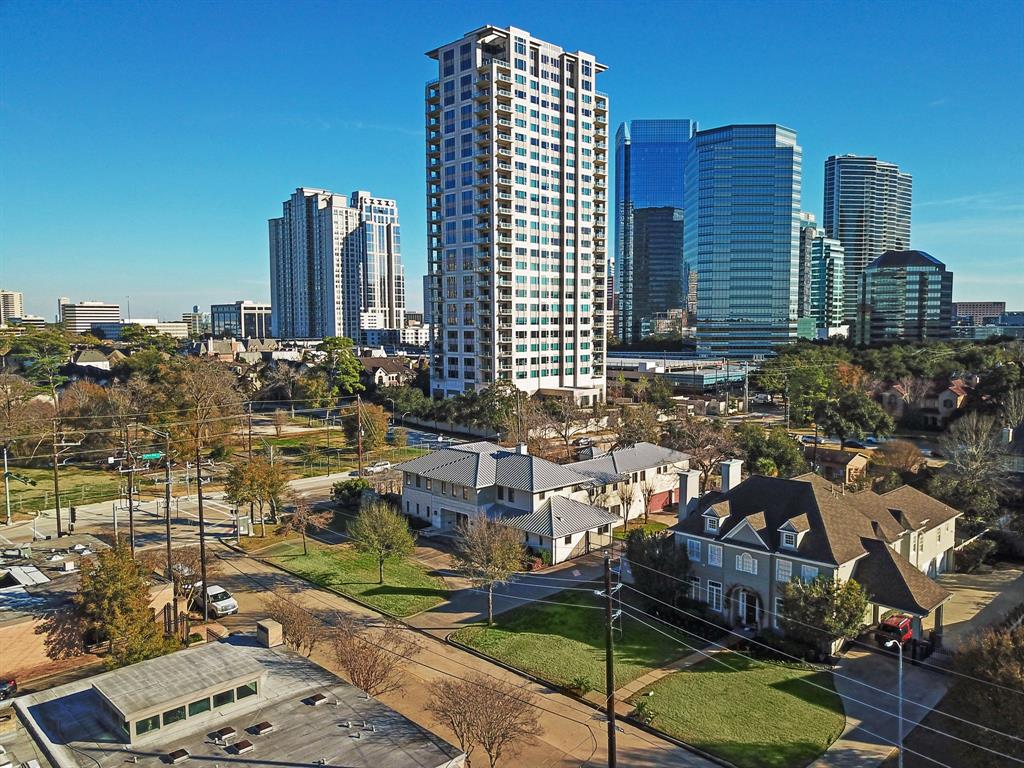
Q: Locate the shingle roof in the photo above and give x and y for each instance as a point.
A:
(623, 461)
(483, 464)
(557, 517)
(832, 455)
(891, 580)
(919, 508)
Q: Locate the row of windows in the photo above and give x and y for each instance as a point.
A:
(198, 707)
(746, 563)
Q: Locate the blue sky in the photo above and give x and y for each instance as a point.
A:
(144, 145)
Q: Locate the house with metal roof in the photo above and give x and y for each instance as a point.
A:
(564, 510)
(746, 541)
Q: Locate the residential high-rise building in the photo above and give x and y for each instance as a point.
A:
(12, 304)
(517, 169)
(905, 295)
(335, 265)
(808, 231)
(427, 303)
(742, 237)
(241, 320)
(867, 209)
(978, 311)
(826, 293)
(81, 317)
(658, 280)
(650, 157)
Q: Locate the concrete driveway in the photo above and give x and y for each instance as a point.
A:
(979, 600)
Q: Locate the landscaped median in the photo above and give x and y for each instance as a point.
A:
(751, 713)
(408, 587)
(562, 641)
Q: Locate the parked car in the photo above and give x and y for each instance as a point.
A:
(811, 440)
(861, 445)
(899, 627)
(220, 601)
(377, 468)
(8, 688)
(583, 442)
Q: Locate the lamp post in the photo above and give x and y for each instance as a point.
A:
(403, 417)
(899, 644)
(394, 409)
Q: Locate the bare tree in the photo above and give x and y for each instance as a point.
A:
(185, 570)
(301, 628)
(490, 553)
(708, 443)
(1012, 408)
(901, 456)
(597, 495)
(374, 661)
(647, 489)
(279, 419)
(486, 712)
(565, 418)
(627, 493)
(304, 516)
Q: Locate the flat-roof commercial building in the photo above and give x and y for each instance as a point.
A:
(978, 312)
(12, 304)
(239, 702)
(81, 317)
(241, 320)
(905, 295)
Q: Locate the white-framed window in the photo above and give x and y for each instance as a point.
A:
(776, 622)
(695, 588)
(568, 539)
(783, 570)
(745, 563)
(715, 595)
(808, 572)
(715, 554)
(711, 524)
(693, 550)
(789, 539)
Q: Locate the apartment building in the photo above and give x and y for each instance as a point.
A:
(517, 179)
(81, 317)
(12, 304)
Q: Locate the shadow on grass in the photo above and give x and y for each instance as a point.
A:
(754, 754)
(806, 689)
(394, 589)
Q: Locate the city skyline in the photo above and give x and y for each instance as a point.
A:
(180, 132)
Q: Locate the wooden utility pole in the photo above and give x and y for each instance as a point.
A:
(56, 479)
(252, 507)
(359, 432)
(131, 483)
(609, 660)
(202, 530)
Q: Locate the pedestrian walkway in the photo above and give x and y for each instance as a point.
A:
(644, 681)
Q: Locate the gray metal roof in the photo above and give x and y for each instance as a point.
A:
(483, 464)
(623, 461)
(159, 682)
(558, 516)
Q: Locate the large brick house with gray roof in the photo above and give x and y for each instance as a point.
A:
(747, 541)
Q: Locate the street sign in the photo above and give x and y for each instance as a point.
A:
(151, 456)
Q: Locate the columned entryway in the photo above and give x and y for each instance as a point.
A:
(746, 609)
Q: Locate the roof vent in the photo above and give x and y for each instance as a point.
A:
(261, 729)
(243, 746)
(317, 699)
(225, 733)
(178, 756)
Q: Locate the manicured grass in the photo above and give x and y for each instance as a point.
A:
(561, 643)
(620, 533)
(407, 587)
(77, 487)
(757, 714)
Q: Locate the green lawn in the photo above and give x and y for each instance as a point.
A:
(563, 642)
(407, 588)
(77, 487)
(760, 715)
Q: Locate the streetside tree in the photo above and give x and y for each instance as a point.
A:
(489, 553)
(381, 531)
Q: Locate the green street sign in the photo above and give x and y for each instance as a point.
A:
(152, 456)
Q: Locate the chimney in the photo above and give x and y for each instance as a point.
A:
(1006, 436)
(731, 471)
(689, 492)
(269, 633)
(523, 449)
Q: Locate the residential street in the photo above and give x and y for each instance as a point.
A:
(574, 734)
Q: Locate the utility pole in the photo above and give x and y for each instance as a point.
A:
(251, 504)
(131, 483)
(56, 479)
(746, 388)
(202, 529)
(359, 432)
(609, 651)
(7, 486)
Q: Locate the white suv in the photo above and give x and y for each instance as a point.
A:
(220, 601)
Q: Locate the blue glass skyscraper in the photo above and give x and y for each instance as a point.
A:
(742, 236)
(650, 158)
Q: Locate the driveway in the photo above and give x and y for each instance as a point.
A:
(979, 600)
(868, 688)
(573, 734)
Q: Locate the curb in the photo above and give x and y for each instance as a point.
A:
(576, 697)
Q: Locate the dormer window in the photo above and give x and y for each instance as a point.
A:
(711, 524)
(789, 539)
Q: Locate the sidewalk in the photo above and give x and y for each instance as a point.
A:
(644, 681)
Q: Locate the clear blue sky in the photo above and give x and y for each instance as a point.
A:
(144, 145)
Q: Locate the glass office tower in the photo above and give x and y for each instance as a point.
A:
(649, 173)
(658, 276)
(742, 209)
(904, 296)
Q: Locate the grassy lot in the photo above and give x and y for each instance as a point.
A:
(564, 642)
(77, 486)
(407, 588)
(755, 715)
(620, 533)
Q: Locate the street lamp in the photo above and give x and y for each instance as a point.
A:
(403, 417)
(891, 644)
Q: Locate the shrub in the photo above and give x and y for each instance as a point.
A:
(781, 648)
(581, 684)
(643, 711)
(417, 523)
(545, 557)
(970, 557)
(1009, 545)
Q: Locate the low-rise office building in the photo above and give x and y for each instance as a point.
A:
(904, 296)
(81, 317)
(241, 320)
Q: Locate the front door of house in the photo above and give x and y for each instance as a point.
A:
(749, 607)
(461, 520)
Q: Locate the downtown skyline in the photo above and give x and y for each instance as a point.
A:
(148, 153)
